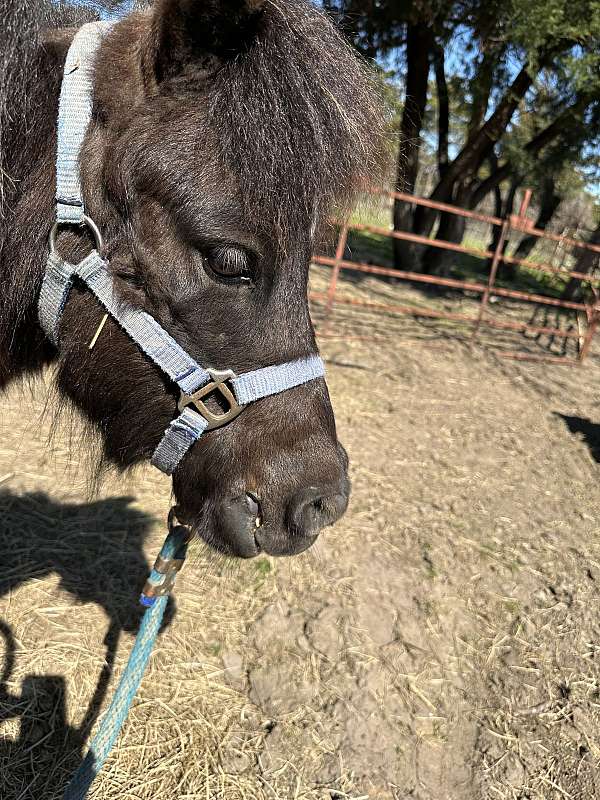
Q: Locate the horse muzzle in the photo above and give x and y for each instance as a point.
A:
(244, 526)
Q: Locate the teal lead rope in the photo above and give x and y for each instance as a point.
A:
(154, 598)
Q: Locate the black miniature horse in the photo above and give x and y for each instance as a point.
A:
(224, 133)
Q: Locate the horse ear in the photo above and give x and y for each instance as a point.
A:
(198, 33)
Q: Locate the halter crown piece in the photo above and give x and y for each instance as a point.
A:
(194, 381)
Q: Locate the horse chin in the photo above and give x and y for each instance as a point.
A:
(249, 544)
(244, 546)
(283, 544)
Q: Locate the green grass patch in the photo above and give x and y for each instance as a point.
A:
(263, 566)
(377, 249)
(371, 248)
(214, 648)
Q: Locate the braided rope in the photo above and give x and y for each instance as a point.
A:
(174, 547)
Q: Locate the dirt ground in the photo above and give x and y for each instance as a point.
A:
(442, 642)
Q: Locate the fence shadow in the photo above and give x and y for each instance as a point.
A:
(588, 430)
(96, 549)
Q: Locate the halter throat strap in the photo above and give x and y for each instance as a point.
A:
(194, 381)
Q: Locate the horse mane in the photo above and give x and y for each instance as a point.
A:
(23, 84)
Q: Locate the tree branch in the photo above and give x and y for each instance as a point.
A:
(566, 120)
(478, 146)
(443, 107)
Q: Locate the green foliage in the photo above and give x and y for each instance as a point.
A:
(537, 25)
(561, 40)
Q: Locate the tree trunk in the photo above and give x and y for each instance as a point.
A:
(418, 50)
(443, 109)
(478, 147)
(587, 262)
(481, 88)
(498, 202)
(506, 271)
(451, 229)
(549, 202)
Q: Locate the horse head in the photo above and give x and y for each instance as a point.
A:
(223, 135)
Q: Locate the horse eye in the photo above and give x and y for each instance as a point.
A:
(131, 277)
(228, 264)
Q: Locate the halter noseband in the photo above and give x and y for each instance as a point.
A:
(194, 381)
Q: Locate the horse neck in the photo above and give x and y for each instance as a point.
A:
(28, 144)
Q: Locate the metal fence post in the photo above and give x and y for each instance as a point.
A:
(589, 334)
(339, 256)
(524, 206)
(485, 297)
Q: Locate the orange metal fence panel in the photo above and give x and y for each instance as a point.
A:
(518, 223)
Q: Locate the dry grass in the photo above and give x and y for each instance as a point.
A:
(441, 642)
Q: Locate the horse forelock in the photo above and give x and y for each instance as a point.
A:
(295, 118)
(300, 117)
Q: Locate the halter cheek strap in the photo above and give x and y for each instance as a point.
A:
(194, 381)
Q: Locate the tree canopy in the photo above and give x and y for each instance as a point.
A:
(505, 93)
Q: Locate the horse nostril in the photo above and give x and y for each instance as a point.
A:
(312, 509)
(253, 506)
(236, 521)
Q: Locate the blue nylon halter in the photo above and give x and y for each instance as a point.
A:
(193, 380)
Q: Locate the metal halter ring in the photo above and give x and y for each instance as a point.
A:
(219, 384)
(91, 225)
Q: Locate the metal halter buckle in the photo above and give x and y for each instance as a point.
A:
(218, 383)
(87, 222)
(162, 577)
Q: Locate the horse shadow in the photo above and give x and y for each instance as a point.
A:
(96, 549)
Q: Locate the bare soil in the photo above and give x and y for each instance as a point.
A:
(442, 642)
